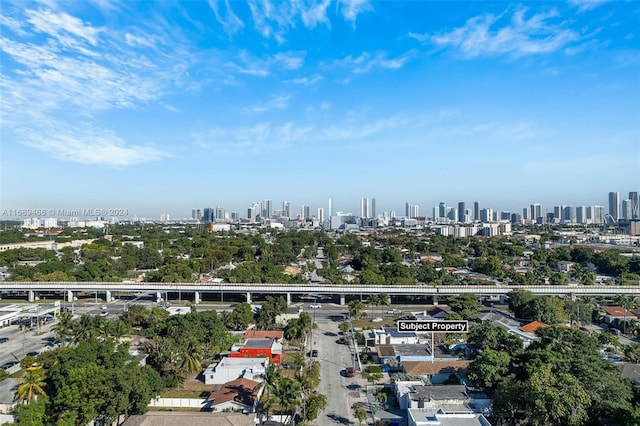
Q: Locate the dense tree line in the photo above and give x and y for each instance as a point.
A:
(559, 380)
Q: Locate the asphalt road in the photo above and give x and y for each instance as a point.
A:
(342, 392)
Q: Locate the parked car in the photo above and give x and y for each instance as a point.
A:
(315, 306)
(349, 372)
(376, 319)
(4, 339)
(314, 353)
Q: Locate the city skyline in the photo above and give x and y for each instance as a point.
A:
(141, 105)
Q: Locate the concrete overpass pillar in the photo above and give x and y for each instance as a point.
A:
(573, 297)
(32, 296)
(196, 298)
(435, 300)
(70, 296)
(342, 300)
(288, 299)
(248, 297)
(107, 296)
(158, 297)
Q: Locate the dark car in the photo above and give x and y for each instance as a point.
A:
(8, 364)
(349, 372)
(32, 353)
(4, 339)
(314, 353)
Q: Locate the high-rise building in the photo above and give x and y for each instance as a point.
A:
(372, 212)
(305, 212)
(321, 214)
(209, 214)
(614, 205)
(364, 208)
(462, 211)
(266, 209)
(253, 212)
(476, 210)
(568, 214)
(633, 196)
(486, 215)
(597, 214)
(196, 214)
(220, 213)
(286, 209)
(526, 213)
(165, 217)
(627, 209)
(330, 208)
(536, 211)
(581, 214)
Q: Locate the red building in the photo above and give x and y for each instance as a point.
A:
(255, 348)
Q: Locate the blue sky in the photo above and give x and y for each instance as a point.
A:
(161, 107)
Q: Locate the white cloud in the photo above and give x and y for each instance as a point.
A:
(253, 140)
(62, 69)
(59, 24)
(307, 81)
(367, 61)
(484, 35)
(290, 60)
(315, 13)
(227, 18)
(585, 5)
(275, 102)
(85, 144)
(352, 8)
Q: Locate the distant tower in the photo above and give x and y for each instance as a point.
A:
(372, 212)
(614, 205)
(286, 209)
(330, 208)
(364, 208)
(321, 215)
(462, 210)
(633, 196)
(476, 210)
(266, 209)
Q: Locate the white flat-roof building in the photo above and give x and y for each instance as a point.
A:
(229, 369)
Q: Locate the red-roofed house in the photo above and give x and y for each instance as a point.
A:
(617, 313)
(255, 348)
(240, 394)
(264, 334)
(533, 326)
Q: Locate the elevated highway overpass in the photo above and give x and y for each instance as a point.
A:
(68, 289)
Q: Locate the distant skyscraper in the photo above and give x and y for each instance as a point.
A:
(597, 214)
(536, 211)
(614, 205)
(321, 214)
(266, 209)
(486, 215)
(364, 208)
(253, 213)
(306, 213)
(286, 209)
(461, 211)
(476, 210)
(220, 213)
(209, 214)
(581, 214)
(633, 196)
(627, 210)
(372, 212)
(442, 209)
(165, 217)
(196, 214)
(568, 214)
(330, 208)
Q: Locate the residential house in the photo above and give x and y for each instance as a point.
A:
(8, 389)
(252, 333)
(254, 348)
(437, 371)
(617, 315)
(403, 389)
(391, 336)
(238, 395)
(438, 417)
(533, 326)
(229, 369)
(449, 398)
(564, 266)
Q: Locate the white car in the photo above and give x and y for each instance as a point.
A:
(103, 307)
(314, 306)
(104, 314)
(376, 319)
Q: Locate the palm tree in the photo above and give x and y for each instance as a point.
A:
(189, 358)
(64, 328)
(355, 308)
(373, 300)
(270, 381)
(32, 385)
(384, 300)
